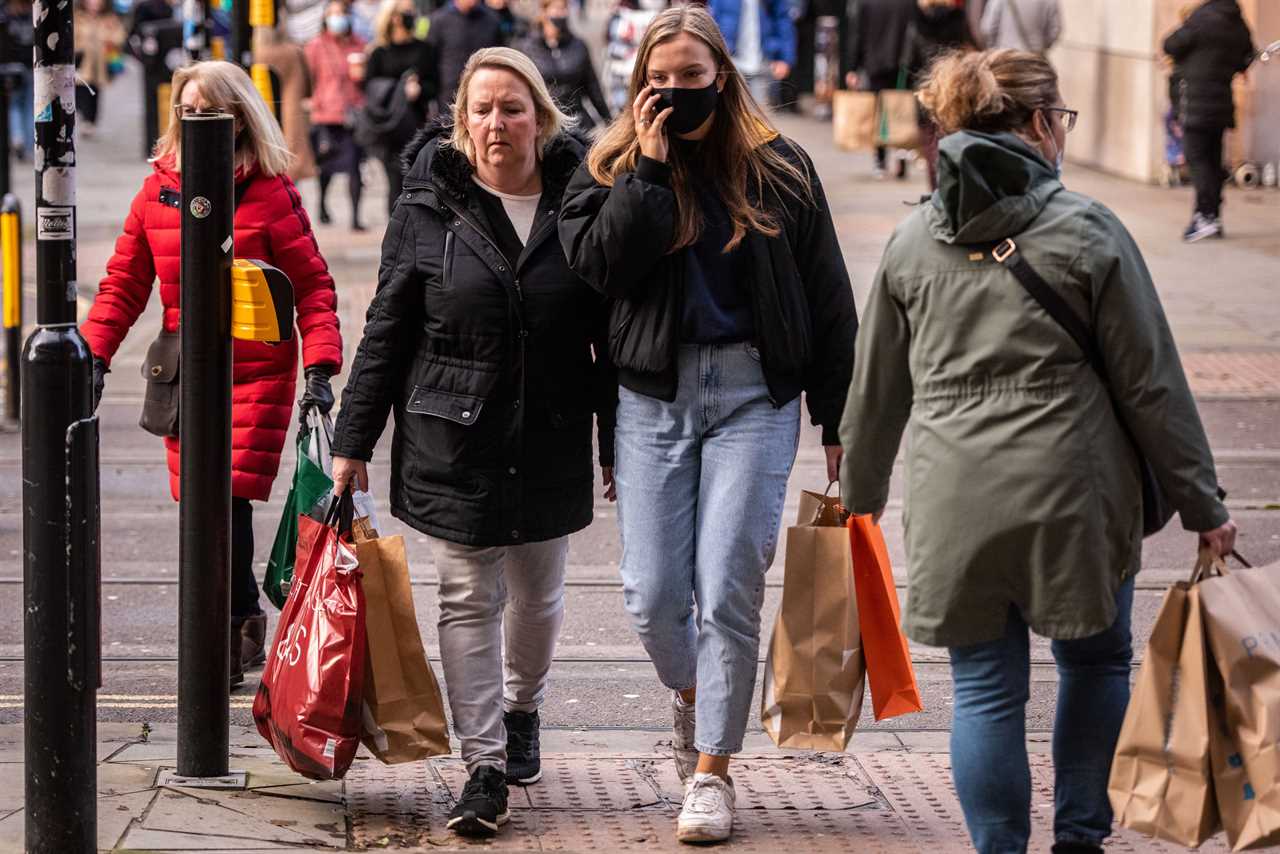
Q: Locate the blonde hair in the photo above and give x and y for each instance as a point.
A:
(551, 119)
(225, 86)
(739, 138)
(382, 23)
(990, 91)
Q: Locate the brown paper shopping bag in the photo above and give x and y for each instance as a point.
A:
(404, 712)
(853, 120)
(1242, 622)
(898, 123)
(1161, 781)
(812, 694)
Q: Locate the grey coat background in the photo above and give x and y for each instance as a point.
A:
(1021, 486)
(1041, 19)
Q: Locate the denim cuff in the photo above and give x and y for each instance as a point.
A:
(716, 751)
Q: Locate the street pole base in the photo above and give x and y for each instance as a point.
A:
(229, 780)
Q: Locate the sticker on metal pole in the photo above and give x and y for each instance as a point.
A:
(55, 223)
(200, 207)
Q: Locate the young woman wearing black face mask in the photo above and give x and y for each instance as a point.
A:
(565, 63)
(711, 233)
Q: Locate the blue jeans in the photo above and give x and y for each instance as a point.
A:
(701, 483)
(988, 734)
(22, 130)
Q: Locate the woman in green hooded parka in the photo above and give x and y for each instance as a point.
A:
(1024, 494)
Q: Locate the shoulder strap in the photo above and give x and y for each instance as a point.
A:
(1007, 253)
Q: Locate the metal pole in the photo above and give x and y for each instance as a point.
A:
(241, 34)
(204, 568)
(60, 483)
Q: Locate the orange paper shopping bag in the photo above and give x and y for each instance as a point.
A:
(884, 647)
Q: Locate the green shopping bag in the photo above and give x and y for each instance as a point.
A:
(312, 484)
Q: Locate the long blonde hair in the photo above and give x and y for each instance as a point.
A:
(225, 86)
(740, 156)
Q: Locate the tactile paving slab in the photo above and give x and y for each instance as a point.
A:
(895, 802)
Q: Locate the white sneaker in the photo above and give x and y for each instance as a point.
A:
(707, 813)
(682, 737)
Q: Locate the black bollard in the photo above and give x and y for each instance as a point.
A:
(60, 486)
(204, 569)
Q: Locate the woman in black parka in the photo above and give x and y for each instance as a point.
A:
(1210, 48)
(480, 340)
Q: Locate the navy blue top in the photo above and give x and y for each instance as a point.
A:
(717, 295)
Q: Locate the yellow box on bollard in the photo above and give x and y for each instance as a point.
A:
(261, 302)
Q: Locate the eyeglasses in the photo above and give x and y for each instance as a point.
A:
(1068, 117)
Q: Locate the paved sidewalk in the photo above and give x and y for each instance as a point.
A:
(603, 790)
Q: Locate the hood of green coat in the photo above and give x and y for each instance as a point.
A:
(990, 186)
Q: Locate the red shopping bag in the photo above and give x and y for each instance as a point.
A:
(310, 700)
(884, 646)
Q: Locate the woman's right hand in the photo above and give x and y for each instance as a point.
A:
(650, 129)
(1221, 541)
(346, 471)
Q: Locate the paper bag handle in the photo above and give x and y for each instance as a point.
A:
(1208, 565)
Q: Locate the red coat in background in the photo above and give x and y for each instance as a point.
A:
(271, 226)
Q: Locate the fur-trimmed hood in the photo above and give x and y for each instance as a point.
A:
(428, 158)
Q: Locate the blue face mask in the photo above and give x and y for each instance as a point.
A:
(1060, 153)
(338, 24)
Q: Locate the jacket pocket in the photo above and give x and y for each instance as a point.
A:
(459, 408)
(160, 369)
(451, 388)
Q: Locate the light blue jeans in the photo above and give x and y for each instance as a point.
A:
(701, 484)
(989, 732)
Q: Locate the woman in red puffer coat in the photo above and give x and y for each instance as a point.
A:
(270, 225)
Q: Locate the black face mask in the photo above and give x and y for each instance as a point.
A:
(692, 106)
(561, 24)
(409, 20)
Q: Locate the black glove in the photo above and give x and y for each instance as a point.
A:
(99, 381)
(318, 392)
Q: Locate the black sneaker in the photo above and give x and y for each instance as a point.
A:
(524, 755)
(482, 809)
(1076, 848)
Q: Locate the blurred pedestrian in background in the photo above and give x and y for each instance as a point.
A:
(272, 47)
(876, 33)
(1032, 25)
(1211, 47)
(940, 27)
(480, 340)
(624, 31)
(761, 35)
(564, 61)
(270, 224)
(458, 29)
(336, 60)
(22, 41)
(400, 80)
(1023, 482)
(711, 234)
(512, 26)
(100, 36)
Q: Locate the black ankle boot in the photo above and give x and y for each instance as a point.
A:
(1076, 848)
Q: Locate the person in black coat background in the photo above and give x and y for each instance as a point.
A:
(399, 82)
(480, 339)
(1210, 48)
(565, 63)
(458, 29)
(940, 26)
(874, 35)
